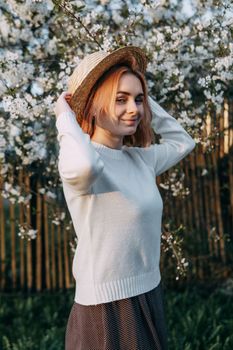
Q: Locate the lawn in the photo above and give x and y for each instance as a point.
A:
(197, 318)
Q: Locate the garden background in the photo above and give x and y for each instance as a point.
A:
(190, 50)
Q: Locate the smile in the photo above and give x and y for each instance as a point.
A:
(130, 120)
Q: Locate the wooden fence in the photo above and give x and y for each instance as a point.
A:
(206, 214)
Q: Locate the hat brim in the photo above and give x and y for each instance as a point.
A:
(129, 54)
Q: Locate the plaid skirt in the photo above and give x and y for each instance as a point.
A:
(136, 323)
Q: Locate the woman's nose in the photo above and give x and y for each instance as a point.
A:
(132, 107)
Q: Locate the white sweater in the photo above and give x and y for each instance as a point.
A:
(116, 207)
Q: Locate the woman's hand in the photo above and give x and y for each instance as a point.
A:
(62, 104)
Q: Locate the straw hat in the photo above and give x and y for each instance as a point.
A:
(93, 66)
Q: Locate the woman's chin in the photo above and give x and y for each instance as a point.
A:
(132, 131)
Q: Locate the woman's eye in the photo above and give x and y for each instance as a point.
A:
(120, 100)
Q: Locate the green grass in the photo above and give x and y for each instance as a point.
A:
(196, 319)
(34, 322)
(199, 320)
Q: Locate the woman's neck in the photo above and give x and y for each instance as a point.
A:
(104, 137)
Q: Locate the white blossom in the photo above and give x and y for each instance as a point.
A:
(36, 89)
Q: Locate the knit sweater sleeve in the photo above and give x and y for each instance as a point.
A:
(79, 164)
(175, 142)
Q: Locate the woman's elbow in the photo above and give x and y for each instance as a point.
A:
(192, 144)
(188, 147)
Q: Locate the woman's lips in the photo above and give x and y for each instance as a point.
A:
(130, 121)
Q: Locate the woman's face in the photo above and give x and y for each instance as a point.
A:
(129, 108)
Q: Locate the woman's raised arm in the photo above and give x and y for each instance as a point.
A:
(79, 164)
(175, 143)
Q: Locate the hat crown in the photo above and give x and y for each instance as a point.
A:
(84, 67)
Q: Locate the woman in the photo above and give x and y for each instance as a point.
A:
(108, 163)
